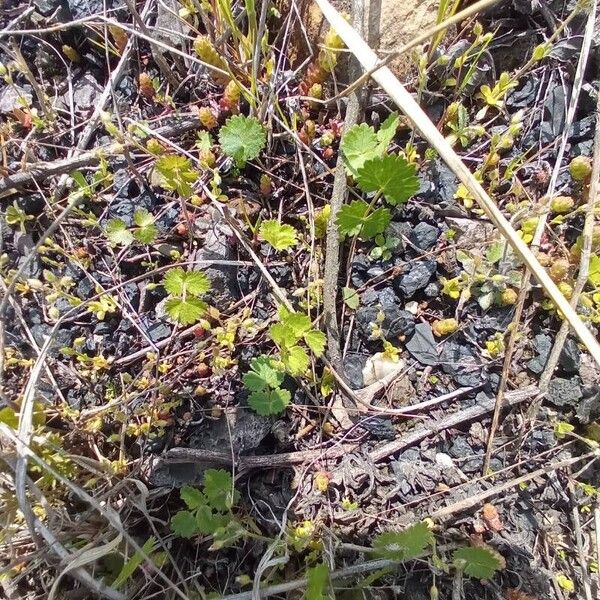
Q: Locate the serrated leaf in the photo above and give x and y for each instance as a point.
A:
(145, 235)
(280, 236)
(117, 233)
(318, 586)
(192, 497)
(219, 490)
(177, 174)
(351, 216)
(354, 219)
(142, 218)
(377, 222)
(404, 545)
(185, 312)
(298, 323)
(392, 176)
(183, 524)
(263, 375)
(316, 341)
(351, 298)
(269, 402)
(283, 335)
(207, 521)
(480, 563)
(242, 138)
(296, 360)
(387, 131)
(358, 145)
(178, 282)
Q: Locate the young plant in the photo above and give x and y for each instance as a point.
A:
(242, 138)
(184, 305)
(263, 381)
(177, 174)
(280, 236)
(479, 562)
(209, 509)
(292, 330)
(15, 215)
(143, 230)
(404, 545)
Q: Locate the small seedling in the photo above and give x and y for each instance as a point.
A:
(404, 545)
(143, 231)
(263, 382)
(242, 138)
(184, 305)
(280, 236)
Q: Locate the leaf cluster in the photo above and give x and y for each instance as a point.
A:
(263, 381)
(143, 230)
(292, 330)
(390, 176)
(177, 174)
(184, 305)
(209, 509)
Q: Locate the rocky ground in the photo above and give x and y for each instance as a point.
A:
(128, 406)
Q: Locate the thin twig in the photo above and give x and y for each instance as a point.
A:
(579, 543)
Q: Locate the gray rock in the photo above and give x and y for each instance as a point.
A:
(61, 339)
(424, 236)
(462, 362)
(10, 98)
(416, 278)
(432, 290)
(85, 92)
(422, 345)
(396, 321)
(542, 344)
(570, 357)
(169, 28)
(155, 329)
(564, 392)
(353, 365)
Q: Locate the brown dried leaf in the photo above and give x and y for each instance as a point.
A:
(491, 517)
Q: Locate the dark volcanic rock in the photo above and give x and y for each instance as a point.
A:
(416, 278)
(462, 362)
(396, 322)
(353, 369)
(424, 236)
(422, 345)
(564, 392)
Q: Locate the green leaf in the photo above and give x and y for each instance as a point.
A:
(480, 563)
(269, 402)
(177, 174)
(283, 335)
(351, 298)
(358, 145)
(298, 323)
(404, 545)
(146, 229)
(207, 521)
(185, 312)
(142, 218)
(219, 490)
(562, 428)
(183, 524)
(117, 233)
(354, 219)
(178, 282)
(316, 341)
(242, 138)
(262, 375)
(387, 131)
(296, 360)
(318, 586)
(9, 417)
(192, 497)
(134, 562)
(376, 223)
(389, 175)
(227, 536)
(495, 252)
(280, 236)
(594, 270)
